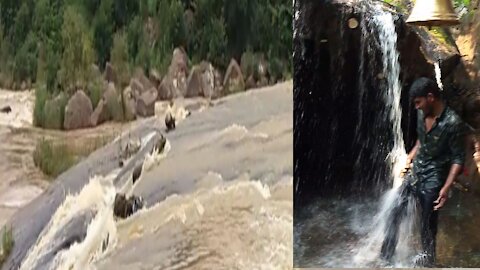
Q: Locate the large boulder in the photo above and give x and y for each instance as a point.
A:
(6, 109)
(155, 78)
(144, 81)
(145, 103)
(124, 207)
(129, 104)
(250, 83)
(233, 81)
(100, 114)
(78, 111)
(136, 86)
(201, 81)
(175, 82)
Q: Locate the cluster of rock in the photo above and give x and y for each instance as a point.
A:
(139, 97)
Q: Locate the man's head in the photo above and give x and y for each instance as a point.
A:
(425, 94)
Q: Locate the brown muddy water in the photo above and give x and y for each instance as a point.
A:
(218, 197)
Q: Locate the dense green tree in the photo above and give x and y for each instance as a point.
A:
(35, 44)
(171, 31)
(124, 11)
(134, 38)
(103, 31)
(48, 21)
(238, 19)
(8, 12)
(119, 58)
(78, 49)
(23, 21)
(26, 59)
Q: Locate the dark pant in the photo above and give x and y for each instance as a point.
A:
(429, 219)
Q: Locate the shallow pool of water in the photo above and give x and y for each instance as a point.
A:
(328, 232)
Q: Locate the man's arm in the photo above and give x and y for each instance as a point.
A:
(410, 158)
(413, 152)
(457, 148)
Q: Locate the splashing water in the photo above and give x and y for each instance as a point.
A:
(359, 228)
(96, 200)
(391, 67)
(98, 196)
(438, 75)
(369, 250)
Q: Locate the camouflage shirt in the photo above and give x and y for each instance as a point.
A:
(439, 148)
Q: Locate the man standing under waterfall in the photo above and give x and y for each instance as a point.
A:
(438, 157)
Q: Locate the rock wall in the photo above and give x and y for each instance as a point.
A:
(337, 78)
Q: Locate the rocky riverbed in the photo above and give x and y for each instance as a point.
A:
(220, 197)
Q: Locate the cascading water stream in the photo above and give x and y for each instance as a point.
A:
(438, 75)
(91, 208)
(342, 223)
(370, 246)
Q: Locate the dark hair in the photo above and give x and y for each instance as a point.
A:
(421, 87)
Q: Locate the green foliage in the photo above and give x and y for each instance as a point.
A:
(6, 63)
(8, 12)
(26, 59)
(124, 11)
(90, 7)
(461, 3)
(48, 20)
(54, 112)
(214, 46)
(166, 31)
(134, 37)
(49, 112)
(23, 21)
(41, 66)
(103, 31)
(95, 91)
(41, 96)
(51, 158)
(119, 59)
(7, 244)
(56, 157)
(54, 42)
(239, 24)
(249, 64)
(439, 34)
(52, 68)
(78, 49)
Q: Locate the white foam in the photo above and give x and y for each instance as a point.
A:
(438, 75)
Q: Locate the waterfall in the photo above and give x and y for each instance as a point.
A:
(438, 75)
(369, 248)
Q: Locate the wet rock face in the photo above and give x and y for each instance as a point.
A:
(125, 207)
(340, 143)
(6, 109)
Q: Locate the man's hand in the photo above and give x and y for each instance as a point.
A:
(407, 167)
(455, 170)
(442, 198)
